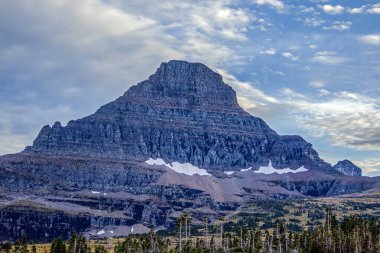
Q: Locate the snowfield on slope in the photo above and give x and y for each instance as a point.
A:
(183, 168)
(189, 169)
(270, 170)
(101, 232)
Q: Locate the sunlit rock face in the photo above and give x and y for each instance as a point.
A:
(348, 168)
(183, 113)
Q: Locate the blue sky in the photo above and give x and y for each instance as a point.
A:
(307, 67)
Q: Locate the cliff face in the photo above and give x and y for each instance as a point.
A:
(348, 168)
(41, 224)
(186, 113)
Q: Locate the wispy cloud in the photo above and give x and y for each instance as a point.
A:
(312, 21)
(249, 96)
(278, 4)
(370, 166)
(317, 83)
(374, 9)
(289, 56)
(358, 10)
(270, 51)
(348, 119)
(371, 39)
(329, 57)
(339, 26)
(309, 10)
(365, 9)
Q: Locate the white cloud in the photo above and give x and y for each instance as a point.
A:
(372, 39)
(374, 9)
(339, 26)
(328, 57)
(216, 19)
(270, 51)
(279, 5)
(369, 166)
(317, 83)
(289, 56)
(249, 96)
(358, 10)
(348, 119)
(313, 46)
(365, 9)
(263, 24)
(277, 72)
(324, 92)
(333, 10)
(291, 93)
(310, 10)
(312, 21)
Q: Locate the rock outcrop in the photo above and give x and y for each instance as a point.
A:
(348, 168)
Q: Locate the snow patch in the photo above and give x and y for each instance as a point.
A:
(96, 192)
(270, 170)
(244, 170)
(101, 232)
(183, 168)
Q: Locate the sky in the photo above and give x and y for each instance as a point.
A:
(307, 67)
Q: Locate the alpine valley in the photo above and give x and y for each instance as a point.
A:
(177, 142)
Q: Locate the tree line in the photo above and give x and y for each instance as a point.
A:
(350, 234)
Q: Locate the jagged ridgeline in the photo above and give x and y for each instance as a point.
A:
(185, 113)
(176, 142)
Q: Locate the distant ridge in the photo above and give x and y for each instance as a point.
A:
(348, 168)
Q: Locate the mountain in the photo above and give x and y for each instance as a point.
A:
(176, 142)
(348, 168)
(185, 113)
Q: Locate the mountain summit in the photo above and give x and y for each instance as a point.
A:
(182, 113)
(184, 84)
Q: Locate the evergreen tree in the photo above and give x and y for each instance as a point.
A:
(58, 246)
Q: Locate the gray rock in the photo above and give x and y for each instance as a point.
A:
(348, 168)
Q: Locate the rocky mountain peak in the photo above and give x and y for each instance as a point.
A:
(184, 84)
(184, 113)
(186, 75)
(348, 168)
